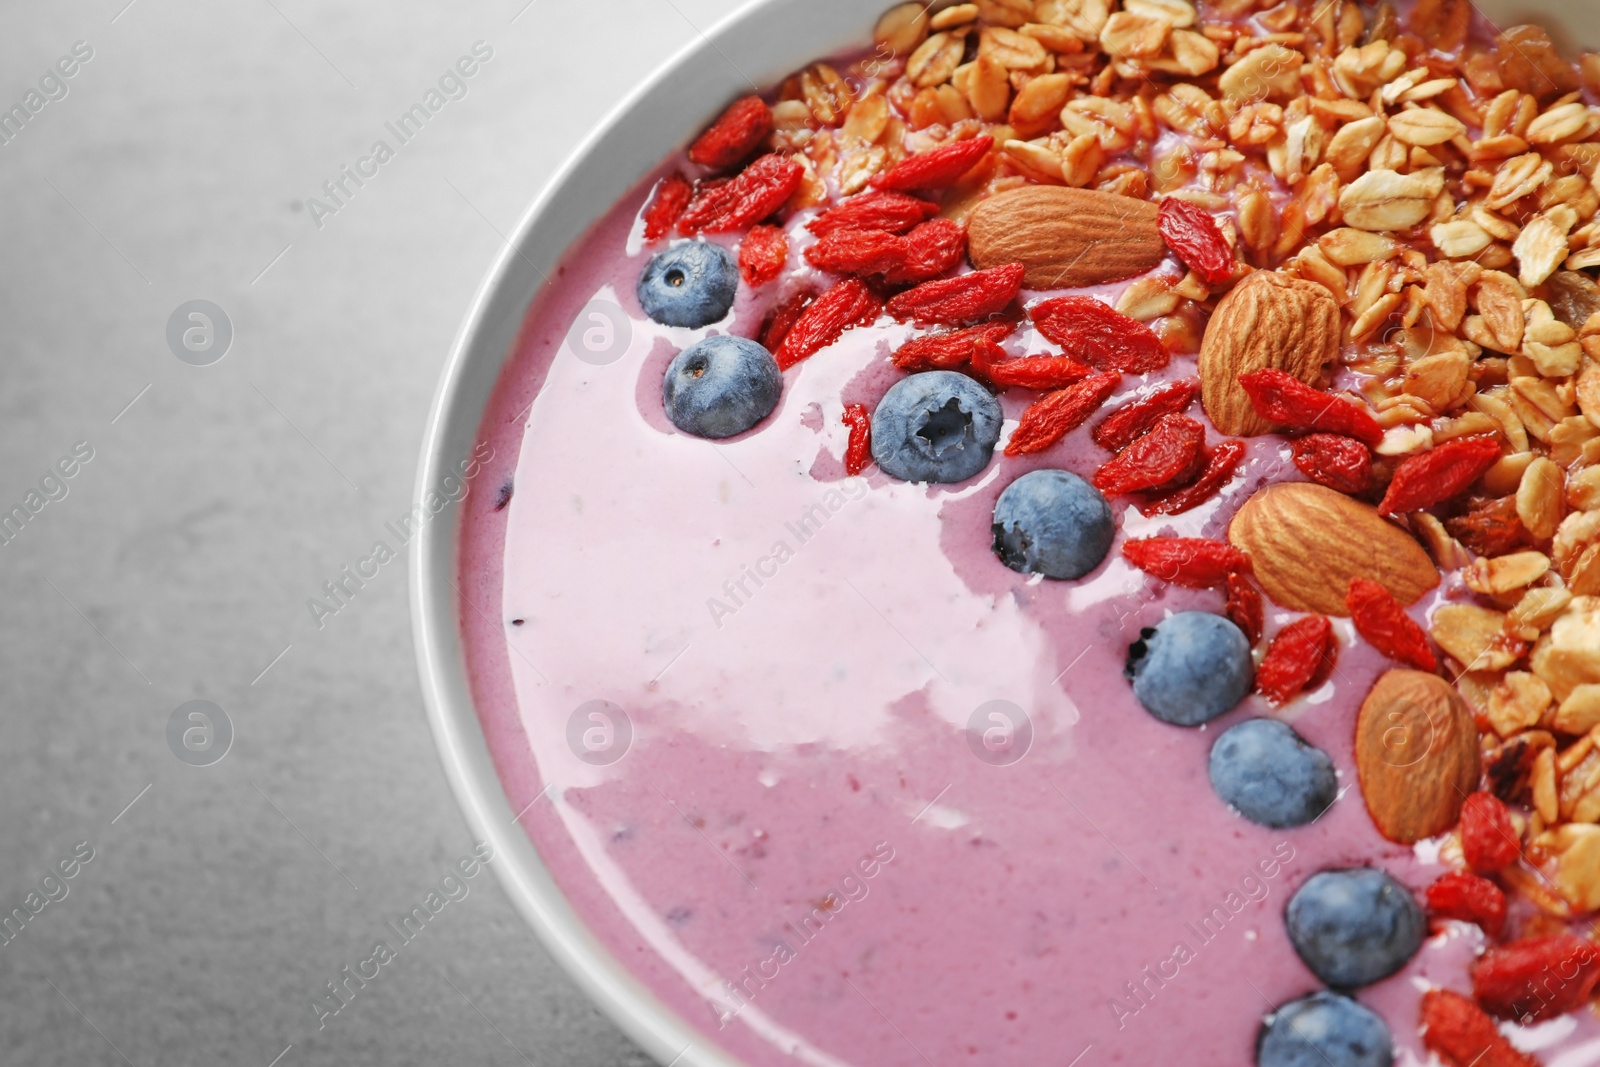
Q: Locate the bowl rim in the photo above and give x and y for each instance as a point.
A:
(483, 344)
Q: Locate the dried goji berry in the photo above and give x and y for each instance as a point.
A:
(1244, 606)
(858, 452)
(763, 254)
(1489, 841)
(1490, 528)
(1095, 332)
(1054, 415)
(1470, 898)
(1440, 473)
(857, 252)
(1194, 237)
(1030, 372)
(937, 168)
(1117, 429)
(1294, 658)
(738, 132)
(756, 192)
(672, 196)
(850, 303)
(1280, 397)
(1219, 467)
(1384, 623)
(1169, 450)
(931, 249)
(951, 349)
(782, 320)
(895, 212)
(1194, 562)
(962, 299)
(1463, 1034)
(1537, 978)
(1341, 463)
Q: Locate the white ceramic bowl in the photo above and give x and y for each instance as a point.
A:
(762, 43)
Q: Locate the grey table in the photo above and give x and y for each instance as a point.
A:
(181, 155)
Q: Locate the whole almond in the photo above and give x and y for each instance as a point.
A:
(1065, 238)
(1267, 320)
(1307, 541)
(1416, 755)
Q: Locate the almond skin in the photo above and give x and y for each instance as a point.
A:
(1066, 238)
(1416, 755)
(1307, 541)
(1267, 320)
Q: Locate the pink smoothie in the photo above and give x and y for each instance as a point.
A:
(801, 849)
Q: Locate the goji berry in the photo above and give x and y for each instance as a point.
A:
(895, 212)
(937, 168)
(1244, 606)
(931, 249)
(858, 452)
(782, 320)
(1470, 898)
(1490, 528)
(1169, 450)
(1294, 658)
(949, 350)
(756, 192)
(857, 252)
(1054, 415)
(1194, 237)
(1095, 332)
(763, 254)
(1536, 978)
(1463, 1034)
(960, 300)
(1489, 841)
(672, 196)
(1030, 372)
(850, 303)
(1384, 623)
(1280, 397)
(1193, 562)
(1440, 473)
(1219, 468)
(738, 132)
(1341, 463)
(1116, 430)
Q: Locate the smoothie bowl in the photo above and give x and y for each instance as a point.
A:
(1048, 531)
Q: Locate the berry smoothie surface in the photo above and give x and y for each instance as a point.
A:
(825, 753)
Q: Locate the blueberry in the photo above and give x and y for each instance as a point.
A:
(691, 284)
(1271, 775)
(1353, 927)
(1052, 523)
(1191, 668)
(938, 426)
(721, 386)
(1324, 1030)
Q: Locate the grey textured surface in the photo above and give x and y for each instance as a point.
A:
(179, 563)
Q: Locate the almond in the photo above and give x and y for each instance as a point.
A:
(1066, 238)
(1307, 541)
(1416, 755)
(1267, 320)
